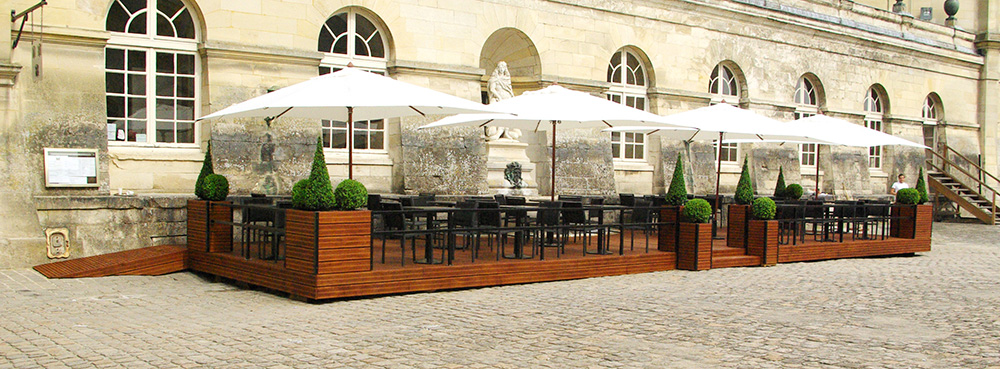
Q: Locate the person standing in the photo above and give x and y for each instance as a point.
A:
(899, 184)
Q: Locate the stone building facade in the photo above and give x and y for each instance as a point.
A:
(129, 77)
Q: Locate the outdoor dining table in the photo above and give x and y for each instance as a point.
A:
(519, 221)
(429, 213)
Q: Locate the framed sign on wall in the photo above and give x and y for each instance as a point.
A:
(70, 167)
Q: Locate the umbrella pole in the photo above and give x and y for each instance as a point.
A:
(350, 142)
(552, 192)
(816, 195)
(718, 176)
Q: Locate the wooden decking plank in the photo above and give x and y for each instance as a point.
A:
(169, 258)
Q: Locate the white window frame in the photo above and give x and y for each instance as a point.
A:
(725, 77)
(874, 112)
(623, 93)
(372, 64)
(150, 43)
(806, 106)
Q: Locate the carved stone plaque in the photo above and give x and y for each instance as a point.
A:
(57, 240)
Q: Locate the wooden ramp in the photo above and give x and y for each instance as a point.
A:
(154, 260)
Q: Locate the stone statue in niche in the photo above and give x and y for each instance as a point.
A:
(268, 185)
(498, 87)
(513, 175)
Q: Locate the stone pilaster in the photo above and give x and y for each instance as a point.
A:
(989, 98)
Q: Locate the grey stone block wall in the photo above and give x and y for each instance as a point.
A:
(103, 224)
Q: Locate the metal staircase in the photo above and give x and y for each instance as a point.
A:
(964, 182)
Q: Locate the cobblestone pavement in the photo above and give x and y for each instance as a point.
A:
(936, 310)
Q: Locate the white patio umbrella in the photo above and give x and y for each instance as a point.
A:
(725, 123)
(557, 105)
(347, 95)
(840, 132)
(825, 130)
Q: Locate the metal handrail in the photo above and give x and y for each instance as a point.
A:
(954, 165)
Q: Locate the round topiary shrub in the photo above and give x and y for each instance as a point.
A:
(697, 211)
(763, 208)
(793, 191)
(908, 196)
(216, 187)
(350, 195)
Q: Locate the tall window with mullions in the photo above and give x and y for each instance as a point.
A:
(151, 72)
(628, 81)
(350, 37)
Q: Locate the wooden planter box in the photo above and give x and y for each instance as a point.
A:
(762, 241)
(324, 242)
(669, 232)
(199, 238)
(911, 221)
(736, 225)
(694, 249)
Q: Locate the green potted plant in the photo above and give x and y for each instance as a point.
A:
(921, 188)
(205, 230)
(910, 219)
(670, 214)
(793, 192)
(325, 230)
(694, 249)
(736, 221)
(779, 188)
(762, 231)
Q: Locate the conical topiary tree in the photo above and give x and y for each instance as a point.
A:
(316, 192)
(677, 193)
(922, 187)
(206, 169)
(779, 188)
(744, 190)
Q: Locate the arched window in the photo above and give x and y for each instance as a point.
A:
(724, 89)
(932, 114)
(806, 105)
(151, 72)
(628, 86)
(349, 37)
(874, 110)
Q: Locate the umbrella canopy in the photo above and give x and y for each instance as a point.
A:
(535, 110)
(347, 95)
(828, 130)
(370, 96)
(732, 122)
(822, 129)
(556, 105)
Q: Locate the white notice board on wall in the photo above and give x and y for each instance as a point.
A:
(70, 167)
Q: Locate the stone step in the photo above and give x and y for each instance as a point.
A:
(728, 251)
(735, 261)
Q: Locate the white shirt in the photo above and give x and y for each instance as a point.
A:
(896, 186)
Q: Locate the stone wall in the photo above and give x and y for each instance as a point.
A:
(103, 224)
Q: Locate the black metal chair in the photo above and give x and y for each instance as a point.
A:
(258, 220)
(395, 221)
(575, 218)
(640, 220)
(464, 222)
(550, 232)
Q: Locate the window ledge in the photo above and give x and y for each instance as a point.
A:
(192, 153)
(811, 172)
(877, 173)
(339, 157)
(632, 166)
(729, 167)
